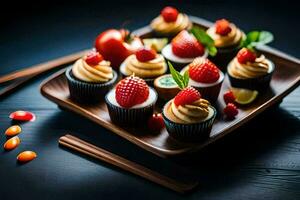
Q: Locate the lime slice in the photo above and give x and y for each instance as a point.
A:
(155, 43)
(244, 96)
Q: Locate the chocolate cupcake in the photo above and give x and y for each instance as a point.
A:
(188, 117)
(227, 39)
(170, 22)
(146, 64)
(250, 72)
(131, 103)
(90, 78)
(206, 77)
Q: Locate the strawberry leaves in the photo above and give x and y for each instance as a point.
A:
(181, 80)
(256, 38)
(205, 39)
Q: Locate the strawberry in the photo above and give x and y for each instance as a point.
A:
(203, 71)
(131, 91)
(222, 27)
(245, 55)
(93, 58)
(169, 14)
(156, 122)
(145, 54)
(230, 111)
(187, 96)
(229, 97)
(186, 45)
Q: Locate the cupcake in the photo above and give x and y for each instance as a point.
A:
(170, 22)
(90, 78)
(145, 63)
(246, 70)
(166, 87)
(227, 39)
(206, 77)
(183, 49)
(188, 117)
(131, 103)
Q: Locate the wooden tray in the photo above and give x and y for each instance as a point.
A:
(286, 78)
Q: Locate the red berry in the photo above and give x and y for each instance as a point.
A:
(222, 27)
(156, 122)
(131, 91)
(145, 54)
(203, 71)
(187, 96)
(245, 55)
(186, 45)
(21, 115)
(93, 58)
(169, 14)
(229, 97)
(230, 111)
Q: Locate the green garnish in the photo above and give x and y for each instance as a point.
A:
(181, 80)
(205, 39)
(256, 38)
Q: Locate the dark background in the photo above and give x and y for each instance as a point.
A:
(260, 160)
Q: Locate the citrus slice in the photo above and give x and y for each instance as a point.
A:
(155, 43)
(244, 96)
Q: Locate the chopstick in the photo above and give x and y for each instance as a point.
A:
(79, 145)
(43, 67)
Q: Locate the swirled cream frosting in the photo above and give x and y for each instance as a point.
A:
(149, 69)
(161, 26)
(191, 113)
(233, 38)
(93, 74)
(259, 67)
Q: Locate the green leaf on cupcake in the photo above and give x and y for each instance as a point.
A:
(181, 80)
(256, 38)
(205, 39)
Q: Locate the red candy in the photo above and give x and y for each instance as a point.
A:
(21, 115)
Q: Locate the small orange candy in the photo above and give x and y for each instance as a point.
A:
(13, 130)
(12, 143)
(26, 156)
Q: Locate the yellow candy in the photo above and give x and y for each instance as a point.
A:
(13, 130)
(26, 156)
(12, 143)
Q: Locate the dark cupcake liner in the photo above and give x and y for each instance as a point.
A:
(149, 81)
(87, 93)
(189, 132)
(259, 83)
(210, 93)
(129, 117)
(224, 56)
(176, 65)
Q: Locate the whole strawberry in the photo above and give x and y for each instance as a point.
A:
(222, 27)
(145, 54)
(245, 55)
(131, 91)
(229, 97)
(230, 111)
(203, 71)
(185, 45)
(169, 14)
(187, 96)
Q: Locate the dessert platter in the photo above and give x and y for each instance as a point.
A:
(176, 85)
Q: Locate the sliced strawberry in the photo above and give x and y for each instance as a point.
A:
(145, 54)
(185, 45)
(222, 27)
(131, 91)
(93, 58)
(203, 71)
(230, 111)
(187, 96)
(169, 14)
(245, 55)
(229, 97)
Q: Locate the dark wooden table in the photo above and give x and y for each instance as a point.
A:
(259, 161)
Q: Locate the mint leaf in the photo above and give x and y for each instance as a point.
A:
(180, 80)
(204, 39)
(265, 37)
(186, 78)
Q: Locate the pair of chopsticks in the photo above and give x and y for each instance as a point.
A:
(86, 148)
(21, 76)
